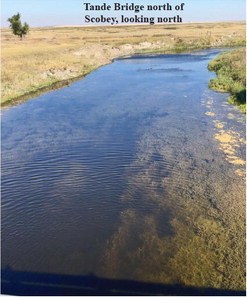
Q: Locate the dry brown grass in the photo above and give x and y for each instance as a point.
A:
(50, 55)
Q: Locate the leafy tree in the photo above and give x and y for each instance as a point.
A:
(17, 27)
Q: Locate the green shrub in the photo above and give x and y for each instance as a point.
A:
(231, 76)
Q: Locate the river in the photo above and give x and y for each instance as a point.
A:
(134, 172)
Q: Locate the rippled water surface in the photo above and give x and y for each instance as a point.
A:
(134, 172)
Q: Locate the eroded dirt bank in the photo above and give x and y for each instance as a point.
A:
(52, 57)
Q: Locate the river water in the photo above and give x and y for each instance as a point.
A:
(134, 172)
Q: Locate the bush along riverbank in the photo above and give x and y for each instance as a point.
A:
(51, 57)
(231, 76)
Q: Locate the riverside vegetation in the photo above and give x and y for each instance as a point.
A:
(52, 57)
(149, 173)
(231, 76)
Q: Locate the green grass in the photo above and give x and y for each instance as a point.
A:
(231, 76)
(50, 55)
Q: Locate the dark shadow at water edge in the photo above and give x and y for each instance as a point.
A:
(44, 284)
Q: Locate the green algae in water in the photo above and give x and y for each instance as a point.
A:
(122, 177)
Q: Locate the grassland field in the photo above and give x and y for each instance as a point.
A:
(49, 58)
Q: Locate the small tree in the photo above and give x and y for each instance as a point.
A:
(17, 27)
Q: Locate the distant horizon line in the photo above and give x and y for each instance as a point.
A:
(131, 24)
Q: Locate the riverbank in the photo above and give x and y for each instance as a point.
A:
(231, 76)
(49, 58)
(140, 161)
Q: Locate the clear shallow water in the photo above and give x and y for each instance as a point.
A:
(122, 175)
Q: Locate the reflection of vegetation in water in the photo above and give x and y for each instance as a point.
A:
(189, 230)
(231, 76)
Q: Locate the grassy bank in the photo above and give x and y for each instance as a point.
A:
(50, 57)
(231, 76)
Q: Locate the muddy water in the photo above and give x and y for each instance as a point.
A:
(135, 172)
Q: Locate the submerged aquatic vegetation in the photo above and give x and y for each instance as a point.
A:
(135, 174)
(231, 76)
(194, 235)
